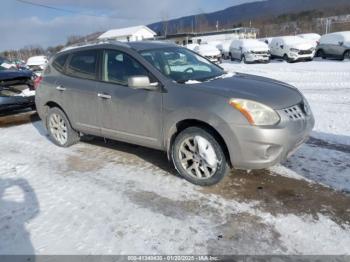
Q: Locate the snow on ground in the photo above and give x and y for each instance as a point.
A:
(326, 85)
(121, 199)
(95, 200)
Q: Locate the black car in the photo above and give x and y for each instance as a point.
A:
(16, 89)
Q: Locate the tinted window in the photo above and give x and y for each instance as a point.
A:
(118, 67)
(59, 62)
(83, 64)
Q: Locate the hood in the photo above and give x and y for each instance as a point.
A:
(303, 46)
(12, 74)
(254, 45)
(273, 93)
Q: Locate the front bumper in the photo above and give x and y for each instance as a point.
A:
(297, 57)
(257, 57)
(253, 147)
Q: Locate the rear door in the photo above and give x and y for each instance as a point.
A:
(130, 115)
(78, 87)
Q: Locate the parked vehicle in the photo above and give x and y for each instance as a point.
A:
(335, 45)
(209, 52)
(224, 48)
(314, 38)
(192, 46)
(292, 48)
(7, 64)
(249, 51)
(167, 97)
(266, 40)
(37, 63)
(16, 89)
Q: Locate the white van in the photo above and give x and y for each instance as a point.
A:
(292, 48)
(249, 50)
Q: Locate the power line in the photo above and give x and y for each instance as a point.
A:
(56, 8)
(72, 11)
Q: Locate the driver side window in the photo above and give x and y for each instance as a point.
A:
(119, 66)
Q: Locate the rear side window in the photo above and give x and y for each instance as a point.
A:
(83, 64)
(59, 62)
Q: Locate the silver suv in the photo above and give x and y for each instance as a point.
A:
(335, 45)
(166, 97)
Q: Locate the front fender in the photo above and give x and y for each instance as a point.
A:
(214, 121)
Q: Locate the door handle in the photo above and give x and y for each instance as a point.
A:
(104, 96)
(60, 88)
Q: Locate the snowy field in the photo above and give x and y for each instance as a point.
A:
(113, 198)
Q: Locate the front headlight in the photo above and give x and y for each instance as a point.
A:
(256, 113)
(294, 50)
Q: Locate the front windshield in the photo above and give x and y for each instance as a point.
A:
(182, 65)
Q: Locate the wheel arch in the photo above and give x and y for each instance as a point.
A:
(186, 123)
(52, 104)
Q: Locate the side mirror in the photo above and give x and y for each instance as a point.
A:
(282, 46)
(141, 82)
(341, 43)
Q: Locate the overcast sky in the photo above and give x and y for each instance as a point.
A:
(23, 24)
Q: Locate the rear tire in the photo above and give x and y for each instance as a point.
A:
(347, 55)
(231, 57)
(60, 131)
(203, 168)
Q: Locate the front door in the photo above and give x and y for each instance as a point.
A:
(130, 115)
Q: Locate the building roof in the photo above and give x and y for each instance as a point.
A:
(127, 31)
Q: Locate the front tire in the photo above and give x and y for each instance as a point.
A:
(60, 131)
(347, 56)
(198, 157)
(287, 59)
(320, 53)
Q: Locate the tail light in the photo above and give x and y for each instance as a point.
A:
(37, 81)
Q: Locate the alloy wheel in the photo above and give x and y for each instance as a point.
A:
(58, 128)
(198, 157)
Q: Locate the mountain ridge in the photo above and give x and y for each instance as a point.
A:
(242, 13)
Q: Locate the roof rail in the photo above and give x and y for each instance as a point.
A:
(94, 42)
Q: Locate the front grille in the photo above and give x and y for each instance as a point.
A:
(294, 113)
(305, 52)
(260, 53)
